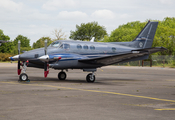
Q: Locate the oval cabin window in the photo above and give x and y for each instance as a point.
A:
(92, 47)
(79, 46)
(85, 47)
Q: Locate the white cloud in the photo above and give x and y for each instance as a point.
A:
(75, 15)
(125, 16)
(57, 4)
(37, 16)
(11, 5)
(166, 2)
(103, 14)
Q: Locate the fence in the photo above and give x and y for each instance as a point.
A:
(155, 60)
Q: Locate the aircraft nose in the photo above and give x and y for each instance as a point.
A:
(33, 54)
(26, 56)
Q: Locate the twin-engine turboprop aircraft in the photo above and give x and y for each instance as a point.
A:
(88, 56)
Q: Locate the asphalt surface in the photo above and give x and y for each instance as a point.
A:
(119, 93)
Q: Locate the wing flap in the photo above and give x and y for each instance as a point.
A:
(108, 60)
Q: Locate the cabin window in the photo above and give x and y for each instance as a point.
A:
(113, 49)
(92, 47)
(79, 46)
(85, 47)
(66, 46)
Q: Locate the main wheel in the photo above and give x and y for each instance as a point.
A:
(23, 77)
(62, 76)
(90, 78)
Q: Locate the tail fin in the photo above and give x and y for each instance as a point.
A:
(145, 38)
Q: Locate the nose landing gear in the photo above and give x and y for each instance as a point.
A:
(24, 76)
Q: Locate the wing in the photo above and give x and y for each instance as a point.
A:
(108, 60)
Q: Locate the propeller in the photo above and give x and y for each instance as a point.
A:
(46, 65)
(19, 70)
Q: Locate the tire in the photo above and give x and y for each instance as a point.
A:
(89, 79)
(62, 76)
(23, 77)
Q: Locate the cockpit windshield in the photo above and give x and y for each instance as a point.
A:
(55, 44)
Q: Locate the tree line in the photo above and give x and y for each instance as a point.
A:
(165, 36)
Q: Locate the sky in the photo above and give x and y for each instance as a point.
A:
(38, 18)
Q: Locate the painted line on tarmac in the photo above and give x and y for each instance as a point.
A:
(95, 91)
(165, 109)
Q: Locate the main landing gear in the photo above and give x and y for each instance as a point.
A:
(62, 75)
(90, 78)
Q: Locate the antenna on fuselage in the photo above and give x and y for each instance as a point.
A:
(92, 40)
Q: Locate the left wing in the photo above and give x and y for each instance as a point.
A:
(108, 60)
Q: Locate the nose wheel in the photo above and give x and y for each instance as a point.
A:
(62, 75)
(23, 77)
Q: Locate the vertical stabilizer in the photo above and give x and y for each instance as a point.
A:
(145, 38)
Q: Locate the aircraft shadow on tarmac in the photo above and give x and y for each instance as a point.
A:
(102, 81)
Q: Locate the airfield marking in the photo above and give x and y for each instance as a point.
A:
(95, 91)
(165, 109)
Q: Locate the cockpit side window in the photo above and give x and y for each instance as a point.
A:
(61, 46)
(66, 46)
(55, 44)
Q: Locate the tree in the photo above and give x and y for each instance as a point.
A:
(25, 46)
(58, 34)
(126, 32)
(5, 47)
(87, 31)
(40, 43)
(165, 34)
(24, 41)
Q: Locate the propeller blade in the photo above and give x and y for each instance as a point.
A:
(45, 47)
(46, 68)
(19, 70)
(19, 46)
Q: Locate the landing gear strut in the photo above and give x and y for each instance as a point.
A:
(90, 78)
(62, 75)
